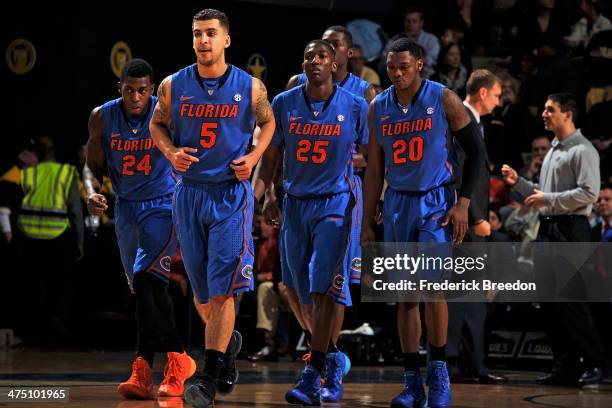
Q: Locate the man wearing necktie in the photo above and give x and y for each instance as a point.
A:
(466, 320)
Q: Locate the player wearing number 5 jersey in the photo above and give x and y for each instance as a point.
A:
(143, 183)
(410, 125)
(203, 123)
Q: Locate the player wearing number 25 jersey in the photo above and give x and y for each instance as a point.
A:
(318, 174)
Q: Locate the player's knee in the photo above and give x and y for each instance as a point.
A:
(219, 301)
(408, 306)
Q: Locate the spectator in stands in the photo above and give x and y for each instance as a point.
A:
(590, 24)
(471, 18)
(358, 67)
(450, 71)
(413, 29)
(539, 147)
(507, 126)
(603, 229)
(542, 22)
(556, 74)
(267, 270)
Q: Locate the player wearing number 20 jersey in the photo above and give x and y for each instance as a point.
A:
(415, 143)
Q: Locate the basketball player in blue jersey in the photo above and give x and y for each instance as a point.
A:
(317, 125)
(203, 123)
(142, 179)
(409, 126)
(342, 41)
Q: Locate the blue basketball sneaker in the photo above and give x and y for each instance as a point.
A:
(347, 363)
(335, 369)
(439, 385)
(413, 395)
(308, 389)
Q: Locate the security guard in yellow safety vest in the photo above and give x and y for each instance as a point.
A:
(47, 210)
(51, 226)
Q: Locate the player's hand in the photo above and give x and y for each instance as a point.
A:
(458, 216)
(243, 166)
(367, 234)
(510, 175)
(96, 204)
(482, 229)
(181, 159)
(536, 200)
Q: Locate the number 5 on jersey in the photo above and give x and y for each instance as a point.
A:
(207, 134)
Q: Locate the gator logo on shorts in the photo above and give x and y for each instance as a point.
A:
(165, 263)
(338, 282)
(247, 271)
(356, 264)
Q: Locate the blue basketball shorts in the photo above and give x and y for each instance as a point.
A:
(418, 217)
(145, 235)
(314, 240)
(213, 224)
(354, 252)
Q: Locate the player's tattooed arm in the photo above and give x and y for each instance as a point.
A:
(264, 117)
(162, 114)
(161, 125)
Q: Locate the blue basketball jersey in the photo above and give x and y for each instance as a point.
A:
(318, 140)
(137, 168)
(351, 83)
(414, 138)
(218, 121)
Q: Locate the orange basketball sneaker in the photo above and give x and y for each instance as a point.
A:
(179, 368)
(140, 383)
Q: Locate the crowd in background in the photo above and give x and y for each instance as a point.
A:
(536, 48)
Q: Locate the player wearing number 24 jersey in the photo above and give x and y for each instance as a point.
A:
(143, 182)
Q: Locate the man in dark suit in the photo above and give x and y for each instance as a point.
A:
(466, 337)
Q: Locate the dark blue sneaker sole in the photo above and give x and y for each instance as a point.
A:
(418, 404)
(300, 400)
(331, 399)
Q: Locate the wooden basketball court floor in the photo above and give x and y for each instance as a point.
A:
(92, 378)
